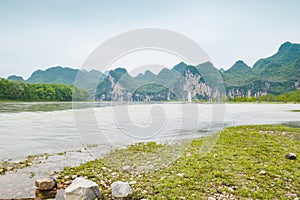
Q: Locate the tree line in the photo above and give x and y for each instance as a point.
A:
(20, 91)
(293, 96)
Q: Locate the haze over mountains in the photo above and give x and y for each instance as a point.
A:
(273, 75)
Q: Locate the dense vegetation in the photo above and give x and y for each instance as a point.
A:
(20, 91)
(284, 97)
(248, 162)
(86, 80)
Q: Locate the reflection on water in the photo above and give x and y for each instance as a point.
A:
(13, 107)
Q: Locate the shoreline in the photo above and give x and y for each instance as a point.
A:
(107, 169)
(244, 159)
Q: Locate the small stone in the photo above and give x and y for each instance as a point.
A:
(67, 177)
(132, 182)
(251, 178)
(263, 172)
(211, 198)
(235, 187)
(82, 189)
(114, 174)
(9, 168)
(51, 173)
(1, 171)
(127, 168)
(291, 156)
(180, 174)
(74, 176)
(230, 189)
(67, 182)
(120, 189)
(45, 183)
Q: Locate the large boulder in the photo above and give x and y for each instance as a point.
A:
(120, 189)
(60, 194)
(45, 183)
(82, 189)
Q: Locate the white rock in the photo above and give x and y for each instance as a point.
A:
(263, 172)
(230, 189)
(82, 189)
(120, 189)
(74, 176)
(60, 195)
(127, 168)
(132, 182)
(114, 174)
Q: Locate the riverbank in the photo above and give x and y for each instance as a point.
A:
(247, 162)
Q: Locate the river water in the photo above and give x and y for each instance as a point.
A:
(72, 128)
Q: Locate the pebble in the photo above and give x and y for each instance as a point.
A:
(230, 189)
(9, 168)
(211, 198)
(132, 182)
(291, 156)
(263, 172)
(127, 168)
(52, 173)
(67, 182)
(114, 174)
(188, 155)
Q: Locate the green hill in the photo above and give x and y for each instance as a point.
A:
(276, 74)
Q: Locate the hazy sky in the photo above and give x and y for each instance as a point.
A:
(38, 34)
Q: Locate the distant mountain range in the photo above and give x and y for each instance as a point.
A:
(273, 75)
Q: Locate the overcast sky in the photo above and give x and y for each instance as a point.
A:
(38, 34)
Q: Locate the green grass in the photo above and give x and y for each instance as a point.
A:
(233, 167)
(295, 110)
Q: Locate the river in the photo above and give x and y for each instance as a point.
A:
(85, 131)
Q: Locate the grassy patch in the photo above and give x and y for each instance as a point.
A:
(9, 165)
(295, 110)
(6, 166)
(246, 162)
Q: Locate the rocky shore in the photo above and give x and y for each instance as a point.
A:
(248, 162)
